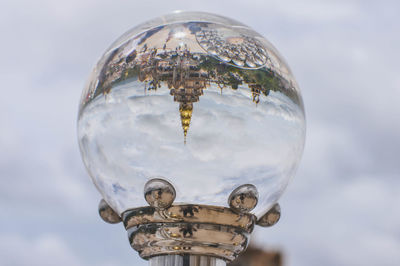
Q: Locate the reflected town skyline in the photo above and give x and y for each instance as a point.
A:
(226, 61)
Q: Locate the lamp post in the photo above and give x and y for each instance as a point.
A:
(191, 126)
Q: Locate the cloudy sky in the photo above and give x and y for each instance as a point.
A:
(342, 208)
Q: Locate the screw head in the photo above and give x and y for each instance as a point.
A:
(271, 217)
(244, 198)
(107, 213)
(159, 193)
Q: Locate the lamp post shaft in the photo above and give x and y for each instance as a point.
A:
(185, 260)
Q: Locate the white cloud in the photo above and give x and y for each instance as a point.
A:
(46, 250)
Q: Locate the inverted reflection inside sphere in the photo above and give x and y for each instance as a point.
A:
(198, 99)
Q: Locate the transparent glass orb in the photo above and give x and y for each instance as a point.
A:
(197, 99)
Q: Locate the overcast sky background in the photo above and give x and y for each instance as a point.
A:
(342, 208)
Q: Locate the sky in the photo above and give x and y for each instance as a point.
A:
(342, 207)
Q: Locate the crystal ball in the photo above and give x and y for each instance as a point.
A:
(199, 100)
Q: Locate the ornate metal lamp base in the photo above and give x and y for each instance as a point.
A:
(190, 234)
(188, 229)
(185, 260)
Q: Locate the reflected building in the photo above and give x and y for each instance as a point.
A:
(181, 73)
(254, 256)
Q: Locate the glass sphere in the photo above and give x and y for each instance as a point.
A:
(199, 100)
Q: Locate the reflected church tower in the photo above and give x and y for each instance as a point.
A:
(255, 92)
(186, 87)
(183, 76)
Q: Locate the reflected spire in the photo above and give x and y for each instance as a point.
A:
(186, 110)
(255, 92)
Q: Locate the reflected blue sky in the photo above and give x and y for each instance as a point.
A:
(340, 209)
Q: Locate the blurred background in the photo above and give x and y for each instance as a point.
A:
(342, 207)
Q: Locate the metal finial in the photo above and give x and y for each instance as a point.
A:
(244, 198)
(159, 193)
(271, 217)
(107, 213)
